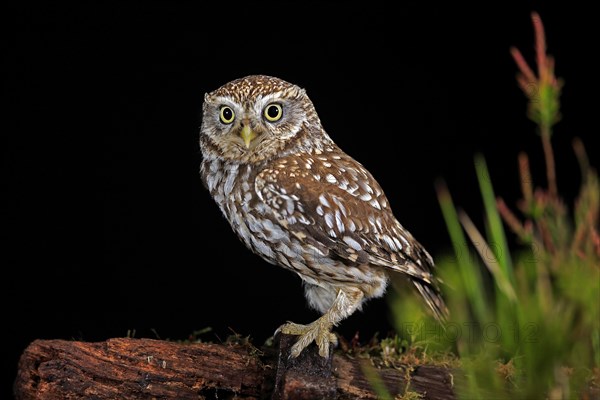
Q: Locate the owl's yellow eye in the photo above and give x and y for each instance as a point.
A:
(273, 112)
(227, 115)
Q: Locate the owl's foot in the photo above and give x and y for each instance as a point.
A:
(319, 331)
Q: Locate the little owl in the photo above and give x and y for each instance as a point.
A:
(298, 201)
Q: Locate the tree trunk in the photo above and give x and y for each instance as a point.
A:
(153, 369)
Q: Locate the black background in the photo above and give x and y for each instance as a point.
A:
(105, 224)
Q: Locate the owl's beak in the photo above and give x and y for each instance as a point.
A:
(247, 135)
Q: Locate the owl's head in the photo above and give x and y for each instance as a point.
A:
(257, 118)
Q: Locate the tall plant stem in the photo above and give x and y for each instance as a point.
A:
(549, 155)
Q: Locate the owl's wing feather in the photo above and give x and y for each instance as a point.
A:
(332, 202)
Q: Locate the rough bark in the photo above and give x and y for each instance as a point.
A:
(153, 369)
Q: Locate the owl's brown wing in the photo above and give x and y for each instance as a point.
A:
(333, 203)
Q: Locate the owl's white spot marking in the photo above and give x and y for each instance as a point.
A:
(375, 204)
(351, 225)
(378, 222)
(329, 220)
(330, 178)
(332, 233)
(365, 197)
(308, 165)
(397, 242)
(303, 220)
(317, 151)
(338, 221)
(299, 235)
(371, 219)
(320, 210)
(317, 177)
(314, 252)
(289, 205)
(407, 245)
(419, 262)
(326, 164)
(339, 203)
(324, 201)
(352, 243)
(298, 186)
(364, 185)
(283, 191)
(388, 240)
(336, 157)
(353, 188)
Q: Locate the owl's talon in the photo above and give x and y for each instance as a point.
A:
(318, 331)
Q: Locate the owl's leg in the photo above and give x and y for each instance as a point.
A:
(346, 302)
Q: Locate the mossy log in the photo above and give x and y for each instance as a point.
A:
(125, 368)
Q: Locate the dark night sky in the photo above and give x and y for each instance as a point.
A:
(103, 212)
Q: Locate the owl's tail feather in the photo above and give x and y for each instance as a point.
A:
(433, 299)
